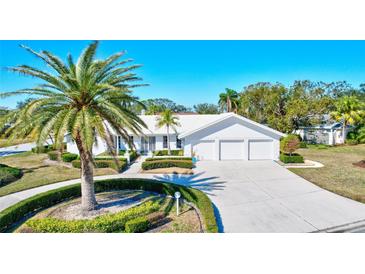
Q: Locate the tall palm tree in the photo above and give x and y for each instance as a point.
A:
(82, 99)
(349, 110)
(168, 119)
(228, 101)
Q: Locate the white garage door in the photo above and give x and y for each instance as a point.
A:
(231, 150)
(260, 150)
(204, 150)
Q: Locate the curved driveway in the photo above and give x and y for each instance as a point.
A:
(251, 196)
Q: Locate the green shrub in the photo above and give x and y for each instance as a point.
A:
(47, 148)
(133, 155)
(302, 145)
(294, 158)
(9, 174)
(103, 164)
(69, 157)
(289, 144)
(115, 222)
(170, 158)
(53, 155)
(19, 211)
(137, 225)
(174, 152)
(351, 142)
(166, 163)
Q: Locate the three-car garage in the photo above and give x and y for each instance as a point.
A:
(233, 138)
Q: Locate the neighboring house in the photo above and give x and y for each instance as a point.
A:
(225, 136)
(330, 134)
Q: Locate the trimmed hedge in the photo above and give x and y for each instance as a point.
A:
(19, 211)
(53, 155)
(106, 224)
(169, 158)
(294, 158)
(103, 164)
(351, 142)
(9, 174)
(69, 157)
(165, 152)
(166, 163)
(137, 225)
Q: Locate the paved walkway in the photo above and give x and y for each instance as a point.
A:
(250, 196)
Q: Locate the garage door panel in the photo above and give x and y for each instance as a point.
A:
(204, 150)
(260, 150)
(232, 150)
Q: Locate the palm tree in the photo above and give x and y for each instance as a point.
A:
(228, 101)
(349, 110)
(82, 99)
(168, 119)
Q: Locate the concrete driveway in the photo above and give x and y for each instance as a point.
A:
(262, 196)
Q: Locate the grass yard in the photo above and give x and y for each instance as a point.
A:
(338, 174)
(37, 173)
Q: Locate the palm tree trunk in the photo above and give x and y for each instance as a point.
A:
(88, 200)
(168, 141)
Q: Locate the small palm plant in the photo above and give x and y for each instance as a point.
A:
(228, 100)
(168, 119)
(349, 110)
(85, 99)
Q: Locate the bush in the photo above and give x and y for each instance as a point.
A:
(53, 155)
(23, 209)
(170, 158)
(166, 163)
(289, 144)
(69, 157)
(294, 158)
(302, 145)
(103, 164)
(137, 225)
(351, 142)
(9, 174)
(106, 223)
(165, 152)
(133, 155)
(46, 148)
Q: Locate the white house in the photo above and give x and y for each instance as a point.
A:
(225, 136)
(328, 134)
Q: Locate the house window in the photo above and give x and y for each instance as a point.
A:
(164, 145)
(178, 142)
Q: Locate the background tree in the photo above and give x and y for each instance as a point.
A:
(168, 119)
(158, 105)
(206, 108)
(349, 110)
(229, 100)
(84, 99)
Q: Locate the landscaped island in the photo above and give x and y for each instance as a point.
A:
(143, 205)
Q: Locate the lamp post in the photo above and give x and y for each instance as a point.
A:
(177, 197)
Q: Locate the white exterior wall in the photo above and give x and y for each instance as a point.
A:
(232, 129)
(97, 149)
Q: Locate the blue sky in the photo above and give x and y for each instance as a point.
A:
(191, 72)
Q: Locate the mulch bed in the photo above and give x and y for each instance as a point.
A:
(360, 164)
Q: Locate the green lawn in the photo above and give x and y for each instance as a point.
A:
(37, 173)
(338, 174)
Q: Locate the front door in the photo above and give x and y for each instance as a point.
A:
(148, 143)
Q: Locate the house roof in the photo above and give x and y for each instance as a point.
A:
(226, 116)
(326, 126)
(192, 123)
